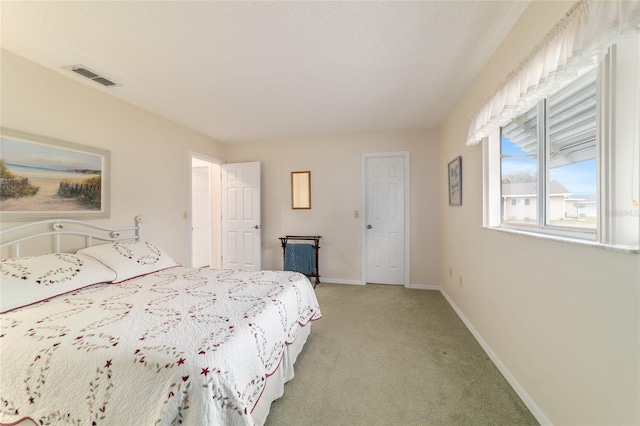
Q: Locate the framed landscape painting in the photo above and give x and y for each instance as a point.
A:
(455, 182)
(44, 178)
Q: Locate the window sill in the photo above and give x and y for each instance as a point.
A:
(594, 244)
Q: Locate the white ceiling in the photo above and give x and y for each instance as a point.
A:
(270, 70)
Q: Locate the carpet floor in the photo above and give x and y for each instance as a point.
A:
(387, 355)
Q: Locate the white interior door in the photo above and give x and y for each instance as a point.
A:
(241, 228)
(201, 216)
(385, 228)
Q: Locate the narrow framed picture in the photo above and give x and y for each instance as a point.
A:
(301, 190)
(455, 182)
(44, 178)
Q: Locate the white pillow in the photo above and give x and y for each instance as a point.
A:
(28, 280)
(130, 259)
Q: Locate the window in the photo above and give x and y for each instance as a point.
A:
(548, 154)
(563, 131)
(567, 167)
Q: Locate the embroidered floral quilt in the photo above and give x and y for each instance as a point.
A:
(179, 346)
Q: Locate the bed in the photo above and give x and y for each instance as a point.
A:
(117, 333)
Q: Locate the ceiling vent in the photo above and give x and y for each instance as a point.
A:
(85, 72)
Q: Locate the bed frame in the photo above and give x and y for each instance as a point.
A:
(58, 230)
(12, 238)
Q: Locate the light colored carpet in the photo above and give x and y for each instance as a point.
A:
(387, 355)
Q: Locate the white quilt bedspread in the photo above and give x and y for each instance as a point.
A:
(180, 346)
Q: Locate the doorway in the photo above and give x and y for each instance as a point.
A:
(225, 227)
(386, 206)
(205, 236)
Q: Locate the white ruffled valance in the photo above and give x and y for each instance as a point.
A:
(576, 43)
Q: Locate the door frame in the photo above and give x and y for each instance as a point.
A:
(407, 211)
(216, 217)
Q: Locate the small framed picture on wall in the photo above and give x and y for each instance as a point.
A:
(455, 182)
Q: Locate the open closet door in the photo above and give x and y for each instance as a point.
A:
(201, 216)
(241, 230)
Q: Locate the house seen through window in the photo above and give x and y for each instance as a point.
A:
(549, 161)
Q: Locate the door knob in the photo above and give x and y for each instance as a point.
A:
(369, 226)
(257, 226)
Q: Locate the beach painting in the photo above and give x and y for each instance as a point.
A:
(45, 178)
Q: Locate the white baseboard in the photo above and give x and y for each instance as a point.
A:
(356, 282)
(425, 287)
(524, 396)
(339, 281)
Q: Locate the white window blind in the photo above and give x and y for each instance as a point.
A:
(572, 125)
(574, 45)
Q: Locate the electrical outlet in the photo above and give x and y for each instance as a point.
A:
(185, 215)
(460, 282)
(356, 214)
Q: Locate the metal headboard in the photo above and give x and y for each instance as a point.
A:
(78, 228)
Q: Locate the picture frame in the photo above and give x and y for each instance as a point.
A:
(301, 190)
(45, 178)
(455, 181)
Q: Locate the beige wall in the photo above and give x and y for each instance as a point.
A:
(562, 319)
(336, 193)
(149, 155)
(149, 161)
